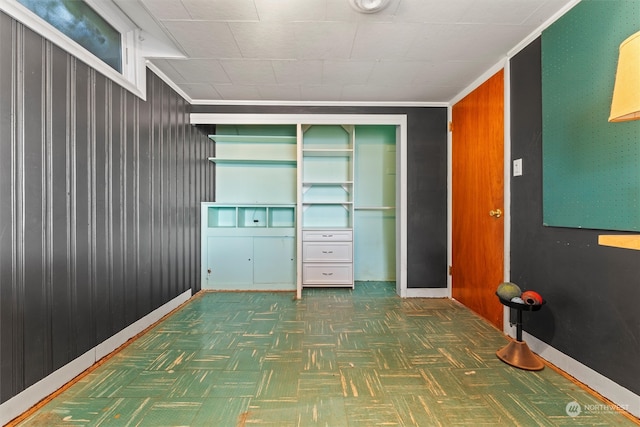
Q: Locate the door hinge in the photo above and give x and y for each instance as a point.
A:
(450, 126)
(450, 270)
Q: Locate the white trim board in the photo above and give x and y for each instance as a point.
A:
(619, 395)
(24, 400)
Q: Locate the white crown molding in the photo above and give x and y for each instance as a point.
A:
(321, 103)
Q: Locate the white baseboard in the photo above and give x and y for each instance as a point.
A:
(21, 402)
(426, 293)
(617, 394)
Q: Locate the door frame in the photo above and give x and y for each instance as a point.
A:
(505, 65)
(400, 121)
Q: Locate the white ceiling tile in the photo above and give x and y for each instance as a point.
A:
(542, 13)
(238, 92)
(200, 70)
(249, 71)
(465, 42)
(341, 11)
(166, 9)
(382, 40)
(499, 12)
(347, 72)
(291, 10)
(324, 40)
(298, 72)
(204, 39)
(265, 40)
(394, 72)
(323, 50)
(321, 92)
(449, 73)
(431, 11)
(222, 10)
(279, 92)
(200, 91)
(373, 93)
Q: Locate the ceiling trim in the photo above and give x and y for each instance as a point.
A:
(324, 103)
(168, 81)
(292, 119)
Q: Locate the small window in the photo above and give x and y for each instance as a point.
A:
(78, 21)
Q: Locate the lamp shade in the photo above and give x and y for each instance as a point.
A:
(626, 92)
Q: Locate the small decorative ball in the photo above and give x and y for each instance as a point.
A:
(531, 298)
(508, 290)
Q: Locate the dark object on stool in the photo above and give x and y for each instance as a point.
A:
(517, 353)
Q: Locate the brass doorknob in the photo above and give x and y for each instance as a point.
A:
(497, 213)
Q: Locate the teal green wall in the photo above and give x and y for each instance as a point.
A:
(375, 186)
(591, 168)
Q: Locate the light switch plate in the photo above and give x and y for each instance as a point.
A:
(517, 167)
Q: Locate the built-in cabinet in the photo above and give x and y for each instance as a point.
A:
(286, 211)
(326, 195)
(248, 246)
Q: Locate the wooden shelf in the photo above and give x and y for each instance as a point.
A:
(269, 139)
(229, 161)
(327, 152)
(624, 241)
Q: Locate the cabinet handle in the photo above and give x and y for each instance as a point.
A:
(327, 252)
(327, 235)
(327, 274)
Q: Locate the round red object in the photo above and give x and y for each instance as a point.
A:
(531, 298)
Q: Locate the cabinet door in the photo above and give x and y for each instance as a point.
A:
(274, 260)
(230, 260)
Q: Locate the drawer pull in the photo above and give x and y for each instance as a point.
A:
(327, 274)
(327, 252)
(327, 235)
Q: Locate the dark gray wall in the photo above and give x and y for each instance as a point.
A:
(592, 291)
(99, 205)
(426, 182)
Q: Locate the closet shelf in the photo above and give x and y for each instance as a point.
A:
(269, 139)
(327, 152)
(375, 208)
(233, 161)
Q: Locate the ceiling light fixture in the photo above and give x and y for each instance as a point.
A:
(369, 6)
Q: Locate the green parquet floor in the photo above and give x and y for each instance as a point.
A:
(338, 357)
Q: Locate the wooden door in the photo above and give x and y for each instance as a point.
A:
(478, 192)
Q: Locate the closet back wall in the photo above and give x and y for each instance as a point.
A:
(99, 205)
(426, 181)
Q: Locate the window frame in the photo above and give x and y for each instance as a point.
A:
(133, 75)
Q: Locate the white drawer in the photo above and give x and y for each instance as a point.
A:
(327, 274)
(327, 235)
(327, 252)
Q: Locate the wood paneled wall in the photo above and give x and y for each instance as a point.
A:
(99, 205)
